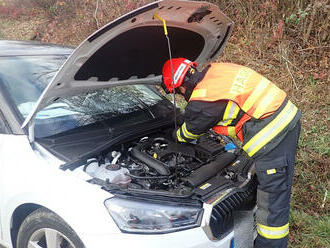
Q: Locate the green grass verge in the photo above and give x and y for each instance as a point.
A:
(308, 231)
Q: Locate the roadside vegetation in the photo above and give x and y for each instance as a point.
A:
(285, 40)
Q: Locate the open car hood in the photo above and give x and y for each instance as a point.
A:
(133, 48)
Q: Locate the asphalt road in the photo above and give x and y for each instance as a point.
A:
(245, 229)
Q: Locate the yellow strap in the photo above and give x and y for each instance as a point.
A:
(257, 92)
(188, 134)
(273, 232)
(271, 130)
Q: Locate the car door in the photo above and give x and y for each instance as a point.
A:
(9, 128)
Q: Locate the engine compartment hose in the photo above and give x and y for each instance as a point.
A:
(148, 177)
(159, 166)
(209, 170)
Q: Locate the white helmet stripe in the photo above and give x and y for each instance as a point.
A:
(179, 71)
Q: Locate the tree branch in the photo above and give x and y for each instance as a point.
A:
(95, 14)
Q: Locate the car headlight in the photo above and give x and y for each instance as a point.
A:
(150, 217)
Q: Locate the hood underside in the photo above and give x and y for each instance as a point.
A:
(130, 54)
(133, 48)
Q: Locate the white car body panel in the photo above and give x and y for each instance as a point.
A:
(193, 238)
(25, 178)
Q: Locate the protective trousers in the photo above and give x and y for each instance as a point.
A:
(275, 174)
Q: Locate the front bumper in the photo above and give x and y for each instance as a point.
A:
(193, 238)
(242, 233)
(221, 210)
(224, 208)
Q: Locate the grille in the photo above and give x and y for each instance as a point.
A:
(222, 220)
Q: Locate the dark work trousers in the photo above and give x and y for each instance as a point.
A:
(275, 175)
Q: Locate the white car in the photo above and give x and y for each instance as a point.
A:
(86, 155)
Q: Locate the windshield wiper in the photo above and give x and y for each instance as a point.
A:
(146, 106)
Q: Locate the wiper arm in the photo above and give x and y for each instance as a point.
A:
(146, 106)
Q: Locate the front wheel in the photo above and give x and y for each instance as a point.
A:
(45, 229)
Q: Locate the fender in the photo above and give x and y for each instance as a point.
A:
(28, 178)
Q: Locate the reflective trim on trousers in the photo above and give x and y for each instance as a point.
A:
(273, 232)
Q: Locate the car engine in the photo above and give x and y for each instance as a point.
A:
(157, 163)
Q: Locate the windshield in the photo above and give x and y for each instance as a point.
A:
(24, 78)
(110, 107)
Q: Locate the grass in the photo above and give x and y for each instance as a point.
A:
(22, 28)
(286, 41)
(308, 231)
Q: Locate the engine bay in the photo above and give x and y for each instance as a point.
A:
(157, 164)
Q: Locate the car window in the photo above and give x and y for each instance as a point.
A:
(25, 77)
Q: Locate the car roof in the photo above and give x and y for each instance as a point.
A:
(24, 48)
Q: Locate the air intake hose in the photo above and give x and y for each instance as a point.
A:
(159, 166)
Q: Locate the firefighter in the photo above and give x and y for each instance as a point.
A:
(235, 100)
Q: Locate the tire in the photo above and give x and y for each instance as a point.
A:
(45, 229)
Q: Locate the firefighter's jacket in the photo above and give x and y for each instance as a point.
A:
(237, 101)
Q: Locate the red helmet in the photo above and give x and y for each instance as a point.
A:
(180, 68)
